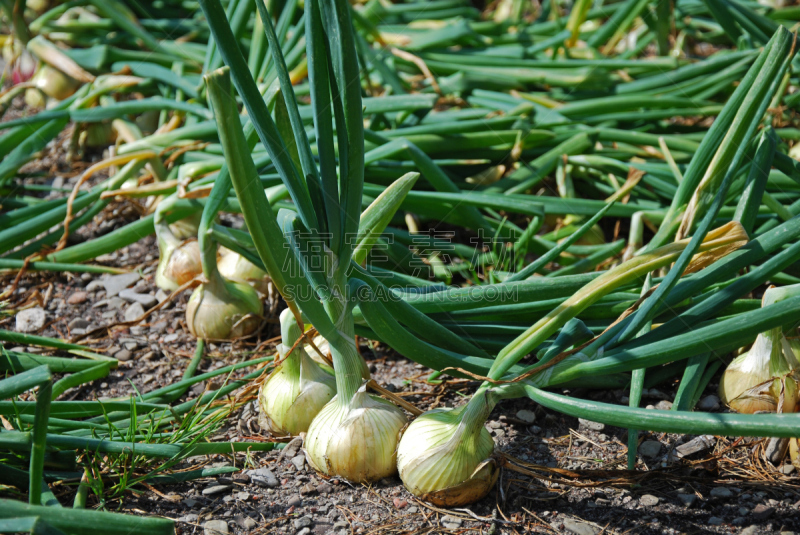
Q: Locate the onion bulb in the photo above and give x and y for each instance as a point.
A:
(444, 456)
(179, 262)
(324, 348)
(235, 267)
(223, 310)
(54, 83)
(794, 452)
(355, 440)
(187, 227)
(297, 389)
(755, 381)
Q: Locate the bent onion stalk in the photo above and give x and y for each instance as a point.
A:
(297, 389)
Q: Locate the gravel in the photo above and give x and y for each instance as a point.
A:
(146, 300)
(114, 284)
(134, 311)
(580, 528)
(721, 493)
(215, 527)
(650, 448)
(30, 320)
(526, 416)
(648, 500)
(264, 477)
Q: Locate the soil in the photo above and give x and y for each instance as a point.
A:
(558, 474)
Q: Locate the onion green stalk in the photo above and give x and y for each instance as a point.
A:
(355, 435)
(297, 389)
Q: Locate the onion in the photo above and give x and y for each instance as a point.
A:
(178, 263)
(186, 227)
(757, 380)
(54, 83)
(445, 455)
(223, 310)
(324, 348)
(355, 440)
(235, 267)
(297, 389)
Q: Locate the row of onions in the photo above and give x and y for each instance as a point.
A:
(301, 176)
(312, 257)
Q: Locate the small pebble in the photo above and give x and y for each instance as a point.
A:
(30, 320)
(94, 286)
(124, 355)
(77, 323)
(715, 521)
(451, 522)
(116, 283)
(299, 462)
(590, 425)
(77, 298)
(263, 477)
(762, 512)
(215, 489)
(302, 522)
(295, 501)
(580, 528)
(650, 448)
(399, 503)
(134, 311)
(687, 500)
(245, 522)
(648, 500)
(528, 417)
(147, 301)
(215, 527)
(708, 403)
(721, 492)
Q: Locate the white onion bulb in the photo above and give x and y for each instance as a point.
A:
(178, 263)
(294, 393)
(223, 311)
(356, 440)
(445, 455)
(235, 267)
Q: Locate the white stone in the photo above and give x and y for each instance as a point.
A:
(30, 320)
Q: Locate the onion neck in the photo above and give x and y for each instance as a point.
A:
(475, 413)
(347, 363)
(290, 333)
